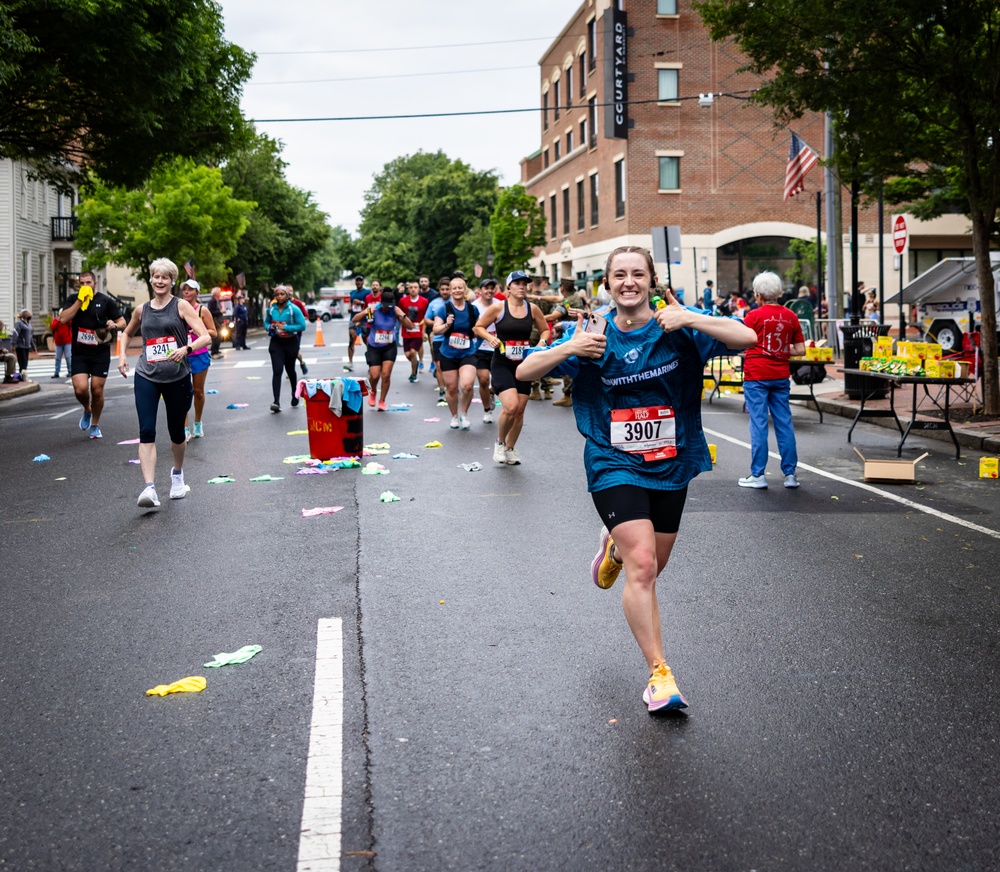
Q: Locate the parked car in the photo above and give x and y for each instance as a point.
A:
(324, 310)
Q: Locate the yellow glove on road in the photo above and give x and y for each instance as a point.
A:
(191, 684)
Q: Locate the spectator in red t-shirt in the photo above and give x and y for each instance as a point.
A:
(62, 336)
(765, 379)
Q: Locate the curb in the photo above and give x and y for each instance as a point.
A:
(21, 390)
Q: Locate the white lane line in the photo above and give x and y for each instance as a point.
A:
(903, 501)
(62, 414)
(249, 364)
(319, 839)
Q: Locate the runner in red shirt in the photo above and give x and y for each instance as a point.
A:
(415, 307)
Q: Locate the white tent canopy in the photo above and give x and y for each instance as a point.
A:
(948, 280)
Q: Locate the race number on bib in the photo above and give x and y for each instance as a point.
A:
(514, 349)
(160, 348)
(86, 337)
(383, 337)
(458, 341)
(647, 430)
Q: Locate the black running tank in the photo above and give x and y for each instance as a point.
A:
(511, 328)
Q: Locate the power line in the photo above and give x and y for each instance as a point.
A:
(406, 47)
(737, 95)
(397, 76)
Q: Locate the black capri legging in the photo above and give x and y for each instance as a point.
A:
(284, 353)
(176, 400)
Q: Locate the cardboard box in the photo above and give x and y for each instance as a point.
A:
(891, 470)
(933, 351)
(946, 368)
(989, 467)
(882, 347)
(825, 354)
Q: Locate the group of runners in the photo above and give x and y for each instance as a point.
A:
(636, 369)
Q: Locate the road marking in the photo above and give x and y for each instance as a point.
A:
(319, 839)
(249, 364)
(903, 501)
(62, 414)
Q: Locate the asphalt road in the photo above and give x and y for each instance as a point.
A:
(837, 645)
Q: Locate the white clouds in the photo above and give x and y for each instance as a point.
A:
(336, 160)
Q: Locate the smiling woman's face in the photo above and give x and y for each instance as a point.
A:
(629, 280)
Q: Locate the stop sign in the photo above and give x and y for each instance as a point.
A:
(899, 234)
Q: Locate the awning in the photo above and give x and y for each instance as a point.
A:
(946, 281)
(596, 275)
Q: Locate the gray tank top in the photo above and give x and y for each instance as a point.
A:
(163, 332)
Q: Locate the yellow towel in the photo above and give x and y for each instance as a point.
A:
(191, 684)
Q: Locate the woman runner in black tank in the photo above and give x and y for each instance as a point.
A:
(514, 318)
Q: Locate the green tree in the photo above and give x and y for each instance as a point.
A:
(112, 86)
(183, 212)
(804, 268)
(517, 228)
(415, 213)
(914, 90)
(288, 239)
(474, 247)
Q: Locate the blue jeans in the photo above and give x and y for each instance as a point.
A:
(763, 397)
(64, 351)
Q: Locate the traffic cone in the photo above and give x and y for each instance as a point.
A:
(357, 339)
(119, 347)
(319, 343)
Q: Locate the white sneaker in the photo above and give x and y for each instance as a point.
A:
(177, 488)
(791, 480)
(454, 422)
(757, 481)
(511, 459)
(488, 417)
(463, 422)
(499, 453)
(148, 499)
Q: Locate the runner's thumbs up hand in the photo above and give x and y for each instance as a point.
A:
(674, 315)
(584, 344)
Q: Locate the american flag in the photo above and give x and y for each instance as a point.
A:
(189, 269)
(801, 159)
(477, 268)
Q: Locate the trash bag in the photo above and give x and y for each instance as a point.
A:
(808, 375)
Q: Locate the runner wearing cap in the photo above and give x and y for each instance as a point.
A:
(514, 319)
(199, 360)
(382, 318)
(637, 401)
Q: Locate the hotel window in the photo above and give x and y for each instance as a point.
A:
(580, 206)
(541, 208)
(670, 173)
(592, 44)
(552, 209)
(620, 188)
(592, 120)
(583, 75)
(556, 146)
(555, 100)
(668, 90)
(545, 159)
(565, 199)
(569, 141)
(583, 131)
(545, 111)
(593, 200)
(666, 7)
(568, 74)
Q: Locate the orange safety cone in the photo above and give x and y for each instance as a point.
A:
(118, 350)
(357, 339)
(319, 343)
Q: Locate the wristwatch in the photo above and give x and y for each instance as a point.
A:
(190, 351)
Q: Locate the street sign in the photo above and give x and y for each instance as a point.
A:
(899, 234)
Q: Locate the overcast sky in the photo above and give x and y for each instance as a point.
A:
(319, 60)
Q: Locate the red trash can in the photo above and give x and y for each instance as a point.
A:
(330, 435)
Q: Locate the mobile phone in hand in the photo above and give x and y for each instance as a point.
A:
(595, 324)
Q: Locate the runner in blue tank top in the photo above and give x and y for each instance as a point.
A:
(382, 316)
(637, 399)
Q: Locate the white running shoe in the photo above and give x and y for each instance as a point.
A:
(755, 481)
(791, 480)
(464, 422)
(499, 453)
(454, 422)
(488, 417)
(177, 488)
(512, 459)
(148, 498)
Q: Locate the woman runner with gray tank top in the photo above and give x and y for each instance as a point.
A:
(163, 370)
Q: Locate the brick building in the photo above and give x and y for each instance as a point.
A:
(660, 154)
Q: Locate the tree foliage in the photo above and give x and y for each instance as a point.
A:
(183, 212)
(287, 239)
(415, 214)
(914, 91)
(112, 86)
(517, 228)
